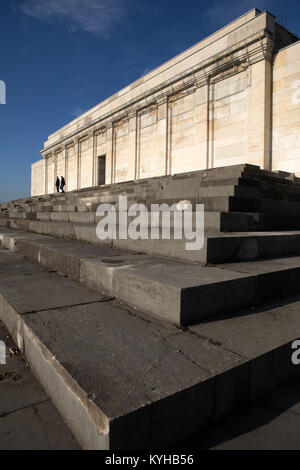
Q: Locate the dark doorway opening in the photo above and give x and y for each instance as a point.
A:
(101, 169)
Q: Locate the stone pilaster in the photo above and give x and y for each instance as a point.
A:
(46, 175)
(137, 147)
(94, 177)
(260, 114)
(110, 150)
(66, 165)
(164, 117)
(77, 160)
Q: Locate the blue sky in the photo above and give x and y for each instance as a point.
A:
(59, 58)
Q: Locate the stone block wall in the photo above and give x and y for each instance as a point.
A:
(38, 178)
(286, 110)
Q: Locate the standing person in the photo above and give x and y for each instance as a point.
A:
(57, 184)
(62, 184)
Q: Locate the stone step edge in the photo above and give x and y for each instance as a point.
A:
(218, 247)
(218, 204)
(243, 170)
(225, 203)
(174, 303)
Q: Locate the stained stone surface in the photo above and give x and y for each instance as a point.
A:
(28, 419)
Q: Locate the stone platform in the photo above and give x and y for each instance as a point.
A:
(143, 346)
(122, 379)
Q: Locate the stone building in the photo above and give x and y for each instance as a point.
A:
(232, 98)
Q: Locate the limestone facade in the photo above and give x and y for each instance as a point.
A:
(227, 100)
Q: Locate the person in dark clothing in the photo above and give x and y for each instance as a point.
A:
(57, 184)
(62, 184)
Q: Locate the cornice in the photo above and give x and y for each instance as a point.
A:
(235, 58)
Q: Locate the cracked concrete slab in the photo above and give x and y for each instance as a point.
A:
(255, 331)
(42, 291)
(36, 427)
(138, 364)
(28, 419)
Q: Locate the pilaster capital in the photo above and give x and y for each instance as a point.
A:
(131, 114)
(202, 81)
(100, 130)
(44, 154)
(57, 150)
(70, 143)
(91, 133)
(83, 136)
(123, 117)
(161, 99)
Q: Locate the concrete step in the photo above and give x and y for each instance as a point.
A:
(123, 380)
(211, 204)
(229, 190)
(262, 221)
(180, 292)
(219, 204)
(268, 206)
(215, 221)
(162, 185)
(219, 247)
(172, 186)
(279, 206)
(241, 181)
(22, 215)
(279, 190)
(222, 248)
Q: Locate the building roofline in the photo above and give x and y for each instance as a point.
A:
(93, 109)
(288, 31)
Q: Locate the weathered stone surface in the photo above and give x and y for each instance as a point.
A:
(36, 427)
(41, 290)
(123, 379)
(15, 265)
(28, 419)
(124, 363)
(183, 293)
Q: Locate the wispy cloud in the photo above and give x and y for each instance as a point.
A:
(94, 16)
(78, 111)
(223, 12)
(147, 70)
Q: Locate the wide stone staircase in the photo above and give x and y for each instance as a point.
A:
(142, 343)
